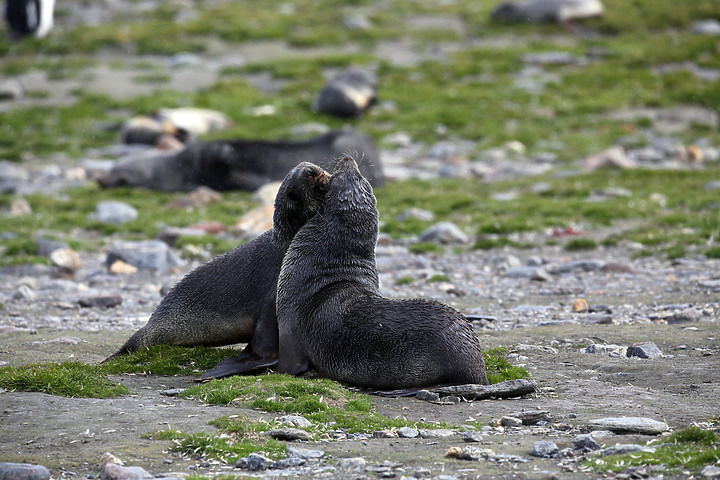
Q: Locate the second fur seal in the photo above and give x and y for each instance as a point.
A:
(331, 316)
(231, 299)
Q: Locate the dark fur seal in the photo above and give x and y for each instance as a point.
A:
(348, 94)
(241, 164)
(231, 299)
(29, 17)
(331, 316)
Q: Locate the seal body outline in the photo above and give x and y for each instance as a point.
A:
(331, 316)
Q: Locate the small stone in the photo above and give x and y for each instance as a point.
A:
(427, 396)
(100, 301)
(613, 157)
(580, 306)
(543, 448)
(682, 317)
(645, 426)
(472, 436)
(20, 207)
(172, 392)
(510, 422)
(623, 448)
(532, 417)
(145, 255)
(407, 432)
(385, 434)
(296, 421)
(289, 434)
(644, 350)
(11, 90)
(254, 462)
(605, 349)
(23, 471)
(533, 273)
(706, 27)
(354, 463)
(416, 213)
(46, 246)
(436, 433)
(122, 268)
(66, 258)
(445, 233)
(586, 443)
(200, 197)
(577, 266)
(23, 292)
(710, 471)
(291, 462)
(114, 212)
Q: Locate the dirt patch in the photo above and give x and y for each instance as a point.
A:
(70, 435)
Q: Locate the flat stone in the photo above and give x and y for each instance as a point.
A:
(115, 212)
(510, 422)
(577, 266)
(508, 389)
(427, 396)
(645, 426)
(407, 432)
(304, 453)
(354, 463)
(533, 273)
(100, 301)
(472, 436)
(23, 471)
(710, 471)
(145, 255)
(623, 448)
(445, 233)
(296, 421)
(115, 471)
(290, 434)
(254, 462)
(436, 433)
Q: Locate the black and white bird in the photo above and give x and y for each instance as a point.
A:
(29, 17)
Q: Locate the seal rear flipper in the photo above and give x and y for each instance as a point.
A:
(400, 392)
(241, 363)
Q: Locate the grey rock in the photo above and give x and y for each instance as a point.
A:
(586, 443)
(436, 433)
(310, 128)
(289, 434)
(706, 27)
(304, 453)
(417, 213)
(11, 90)
(551, 58)
(510, 422)
(46, 246)
(357, 22)
(291, 462)
(714, 185)
(115, 212)
(605, 349)
(505, 261)
(623, 448)
(172, 392)
(427, 396)
(472, 436)
(445, 233)
(254, 462)
(354, 463)
(115, 471)
(644, 350)
(531, 417)
(23, 471)
(407, 432)
(296, 421)
(145, 255)
(710, 471)
(533, 273)
(508, 389)
(23, 292)
(543, 448)
(646, 426)
(682, 317)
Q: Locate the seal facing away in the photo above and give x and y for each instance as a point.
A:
(331, 316)
(231, 299)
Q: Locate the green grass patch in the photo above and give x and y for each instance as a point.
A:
(406, 280)
(426, 247)
(580, 243)
(499, 369)
(167, 360)
(438, 278)
(688, 449)
(67, 379)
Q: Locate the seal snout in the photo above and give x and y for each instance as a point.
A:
(346, 164)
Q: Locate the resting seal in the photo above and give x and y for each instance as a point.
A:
(241, 164)
(231, 299)
(539, 11)
(331, 316)
(348, 94)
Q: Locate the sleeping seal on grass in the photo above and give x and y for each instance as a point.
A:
(231, 299)
(331, 316)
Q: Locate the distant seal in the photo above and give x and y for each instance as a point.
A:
(231, 299)
(29, 17)
(539, 11)
(241, 164)
(347, 94)
(332, 318)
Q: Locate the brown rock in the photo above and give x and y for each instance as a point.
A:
(613, 157)
(119, 267)
(200, 197)
(580, 306)
(256, 221)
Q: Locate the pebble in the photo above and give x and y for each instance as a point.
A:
(543, 448)
(436, 433)
(23, 471)
(472, 436)
(151, 255)
(407, 432)
(296, 421)
(510, 422)
(25, 293)
(645, 426)
(586, 443)
(445, 233)
(112, 211)
(66, 258)
(354, 463)
(254, 462)
(644, 350)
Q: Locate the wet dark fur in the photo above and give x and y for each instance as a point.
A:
(231, 299)
(241, 164)
(331, 316)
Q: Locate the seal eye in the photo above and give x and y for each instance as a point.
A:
(309, 172)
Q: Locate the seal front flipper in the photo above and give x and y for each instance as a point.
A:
(241, 363)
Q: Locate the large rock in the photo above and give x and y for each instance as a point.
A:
(645, 426)
(152, 255)
(23, 471)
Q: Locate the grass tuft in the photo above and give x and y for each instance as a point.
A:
(67, 379)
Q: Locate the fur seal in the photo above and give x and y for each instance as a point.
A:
(231, 299)
(331, 316)
(241, 164)
(348, 94)
(29, 17)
